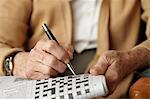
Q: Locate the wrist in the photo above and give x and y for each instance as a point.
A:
(140, 57)
(20, 61)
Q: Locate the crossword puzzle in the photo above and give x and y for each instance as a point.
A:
(68, 87)
(83, 86)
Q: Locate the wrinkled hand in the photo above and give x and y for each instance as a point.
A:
(116, 65)
(45, 60)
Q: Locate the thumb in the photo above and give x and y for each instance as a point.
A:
(100, 67)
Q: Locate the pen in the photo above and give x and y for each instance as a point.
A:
(52, 37)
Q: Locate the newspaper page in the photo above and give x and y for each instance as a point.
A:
(83, 86)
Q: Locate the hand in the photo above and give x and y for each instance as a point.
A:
(45, 60)
(116, 65)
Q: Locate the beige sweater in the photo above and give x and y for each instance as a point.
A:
(119, 24)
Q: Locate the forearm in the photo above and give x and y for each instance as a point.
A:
(13, 27)
(140, 56)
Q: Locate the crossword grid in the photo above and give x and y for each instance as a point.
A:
(83, 86)
(62, 87)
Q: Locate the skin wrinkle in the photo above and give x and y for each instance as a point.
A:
(34, 52)
(39, 57)
(69, 49)
(52, 46)
(121, 64)
(110, 80)
(140, 60)
(45, 60)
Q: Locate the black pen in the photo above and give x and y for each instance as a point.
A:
(52, 37)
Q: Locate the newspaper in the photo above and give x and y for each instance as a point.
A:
(82, 86)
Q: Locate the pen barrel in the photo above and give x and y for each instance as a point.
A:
(49, 33)
(52, 37)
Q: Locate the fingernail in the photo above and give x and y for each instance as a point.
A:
(93, 71)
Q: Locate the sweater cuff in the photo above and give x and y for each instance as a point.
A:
(145, 44)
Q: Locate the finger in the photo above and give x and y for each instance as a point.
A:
(44, 69)
(69, 49)
(36, 55)
(47, 59)
(39, 67)
(100, 67)
(52, 47)
(37, 76)
(54, 63)
(94, 71)
(112, 78)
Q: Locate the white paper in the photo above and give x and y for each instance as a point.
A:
(82, 86)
